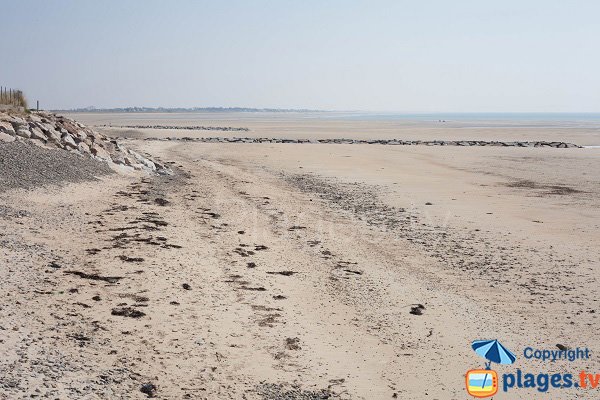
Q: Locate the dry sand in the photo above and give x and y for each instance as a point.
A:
(272, 270)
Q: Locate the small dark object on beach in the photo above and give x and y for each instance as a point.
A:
(95, 277)
(149, 389)
(293, 343)
(256, 289)
(279, 297)
(96, 298)
(161, 202)
(296, 227)
(260, 247)
(284, 273)
(241, 232)
(127, 312)
(54, 264)
(417, 309)
(186, 286)
(562, 347)
(428, 204)
(131, 259)
(242, 252)
(174, 303)
(350, 271)
(81, 339)
(251, 265)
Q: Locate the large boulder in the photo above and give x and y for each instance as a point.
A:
(68, 141)
(6, 138)
(36, 133)
(142, 160)
(68, 126)
(23, 132)
(99, 152)
(84, 148)
(34, 118)
(54, 137)
(80, 136)
(6, 127)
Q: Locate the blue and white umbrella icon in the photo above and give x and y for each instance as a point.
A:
(493, 351)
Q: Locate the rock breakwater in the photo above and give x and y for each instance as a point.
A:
(189, 128)
(390, 142)
(52, 131)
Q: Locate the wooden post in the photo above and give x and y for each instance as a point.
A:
(38, 105)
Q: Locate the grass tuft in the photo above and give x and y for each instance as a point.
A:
(13, 97)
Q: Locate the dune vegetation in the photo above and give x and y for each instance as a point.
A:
(12, 97)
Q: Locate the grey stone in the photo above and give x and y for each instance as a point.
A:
(23, 132)
(68, 141)
(84, 148)
(6, 138)
(99, 152)
(36, 133)
(54, 136)
(6, 127)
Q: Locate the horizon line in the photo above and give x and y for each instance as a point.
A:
(306, 110)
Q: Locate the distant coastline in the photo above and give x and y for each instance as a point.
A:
(362, 115)
(182, 110)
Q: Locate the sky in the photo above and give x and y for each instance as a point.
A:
(398, 56)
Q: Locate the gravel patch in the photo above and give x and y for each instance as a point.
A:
(271, 391)
(25, 166)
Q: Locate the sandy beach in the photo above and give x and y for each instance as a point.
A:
(302, 271)
(261, 200)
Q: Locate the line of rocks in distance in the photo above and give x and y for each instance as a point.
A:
(57, 132)
(398, 142)
(189, 128)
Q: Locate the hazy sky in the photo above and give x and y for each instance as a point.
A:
(405, 56)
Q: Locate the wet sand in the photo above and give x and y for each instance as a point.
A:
(261, 269)
(331, 125)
